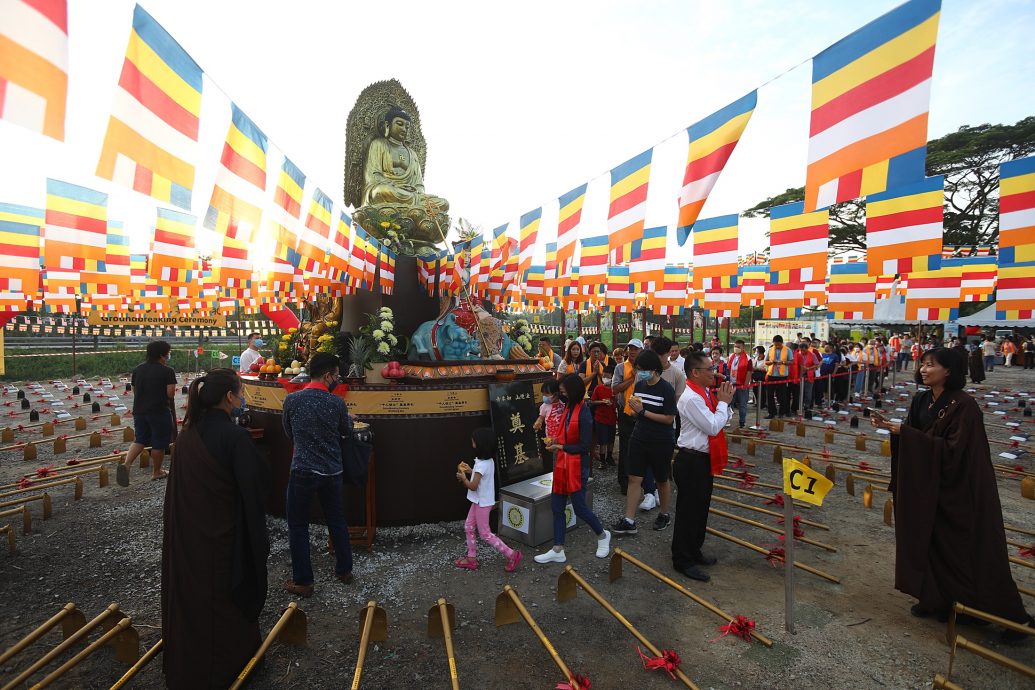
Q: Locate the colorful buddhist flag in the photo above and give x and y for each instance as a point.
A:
(722, 299)
(1017, 211)
(783, 300)
(313, 239)
(174, 260)
(1015, 294)
(290, 184)
(19, 262)
(798, 243)
(871, 92)
(593, 264)
(75, 239)
(527, 233)
(534, 292)
(628, 207)
(977, 276)
(647, 259)
(851, 293)
(357, 262)
(620, 296)
(752, 279)
(34, 64)
(934, 295)
(152, 138)
(338, 253)
(904, 228)
(567, 226)
(427, 270)
(715, 250)
(108, 288)
(712, 141)
(671, 298)
(551, 290)
(239, 194)
(386, 265)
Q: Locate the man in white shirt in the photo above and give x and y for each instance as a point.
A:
(674, 357)
(703, 414)
(251, 355)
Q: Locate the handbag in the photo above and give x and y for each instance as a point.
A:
(355, 456)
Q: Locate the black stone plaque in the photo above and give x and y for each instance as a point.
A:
(513, 411)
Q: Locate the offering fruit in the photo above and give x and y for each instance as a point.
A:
(463, 467)
(255, 368)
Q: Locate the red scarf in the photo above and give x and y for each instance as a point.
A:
(567, 467)
(717, 448)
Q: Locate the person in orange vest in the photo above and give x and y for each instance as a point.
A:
(894, 347)
(622, 384)
(739, 366)
(915, 352)
(778, 360)
(794, 382)
(1009, 350)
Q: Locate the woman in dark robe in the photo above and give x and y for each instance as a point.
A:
(950, 545)
(215, 544)
(977, 366)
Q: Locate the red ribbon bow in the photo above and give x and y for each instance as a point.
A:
(863, 465)
(747, 480)
(24, 483)
(579, 681)
(43, 472)
(1027, 552)
(738, 627)
(776, 555)
(738, 463)
(73, 462)
(776, 500)
(669, 661)
(105, 431)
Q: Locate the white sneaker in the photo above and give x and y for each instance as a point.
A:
(604, 545)
(649, 502)
(551, 556)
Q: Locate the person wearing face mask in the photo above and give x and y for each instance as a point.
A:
(654, 404)
(214, 542)
(315, 420)
(154, 414)
(739, 367)
(251, 354)
(605, 419)
(549, 419)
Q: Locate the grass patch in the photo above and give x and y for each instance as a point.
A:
(47, 365)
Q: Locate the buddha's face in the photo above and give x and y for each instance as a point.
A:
(399, 130)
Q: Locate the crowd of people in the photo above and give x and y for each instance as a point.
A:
(666, 406)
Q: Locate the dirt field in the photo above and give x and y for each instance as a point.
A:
(857, 634)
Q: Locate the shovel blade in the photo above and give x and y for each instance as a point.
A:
(435, 619)
(889, 512)
(850, 484)
(379, 623)
(295, 630)
(614, 569)
(868, 496)
(71, 623)
(506, 612)
(567, 588)
(830, 472)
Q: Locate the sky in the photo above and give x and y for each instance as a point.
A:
(519, 102)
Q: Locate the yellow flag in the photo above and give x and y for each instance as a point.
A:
(803, 483)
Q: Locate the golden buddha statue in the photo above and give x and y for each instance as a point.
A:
(392, 174)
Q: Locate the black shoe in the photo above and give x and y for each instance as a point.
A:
(624, 526)
(662, 521)
(770, 416)
(695, 573)
(1010, 636)
(705, 560)
(920, 612)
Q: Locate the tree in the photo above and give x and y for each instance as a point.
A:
(969, 159)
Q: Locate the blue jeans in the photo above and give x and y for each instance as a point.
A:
(989, 362)
(578, 504)
(300, 490)
(740, 402)
(860, 381)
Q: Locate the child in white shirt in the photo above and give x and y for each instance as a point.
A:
(481, 492)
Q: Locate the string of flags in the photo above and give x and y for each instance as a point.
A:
(868, 130)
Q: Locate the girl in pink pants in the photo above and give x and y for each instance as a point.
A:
(481, 492)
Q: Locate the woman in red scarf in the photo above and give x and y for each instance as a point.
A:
(571, 471)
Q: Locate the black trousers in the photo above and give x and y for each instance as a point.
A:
(1029, 360)
(692, 472)
(625, 429)
(777, 396)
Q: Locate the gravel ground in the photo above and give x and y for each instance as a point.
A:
(106, 548)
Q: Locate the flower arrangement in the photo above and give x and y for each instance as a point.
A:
(381, 330)
(521, 333)
(286, 347)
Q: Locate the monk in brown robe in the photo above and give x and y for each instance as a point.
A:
(950, 545)
(215, 544)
